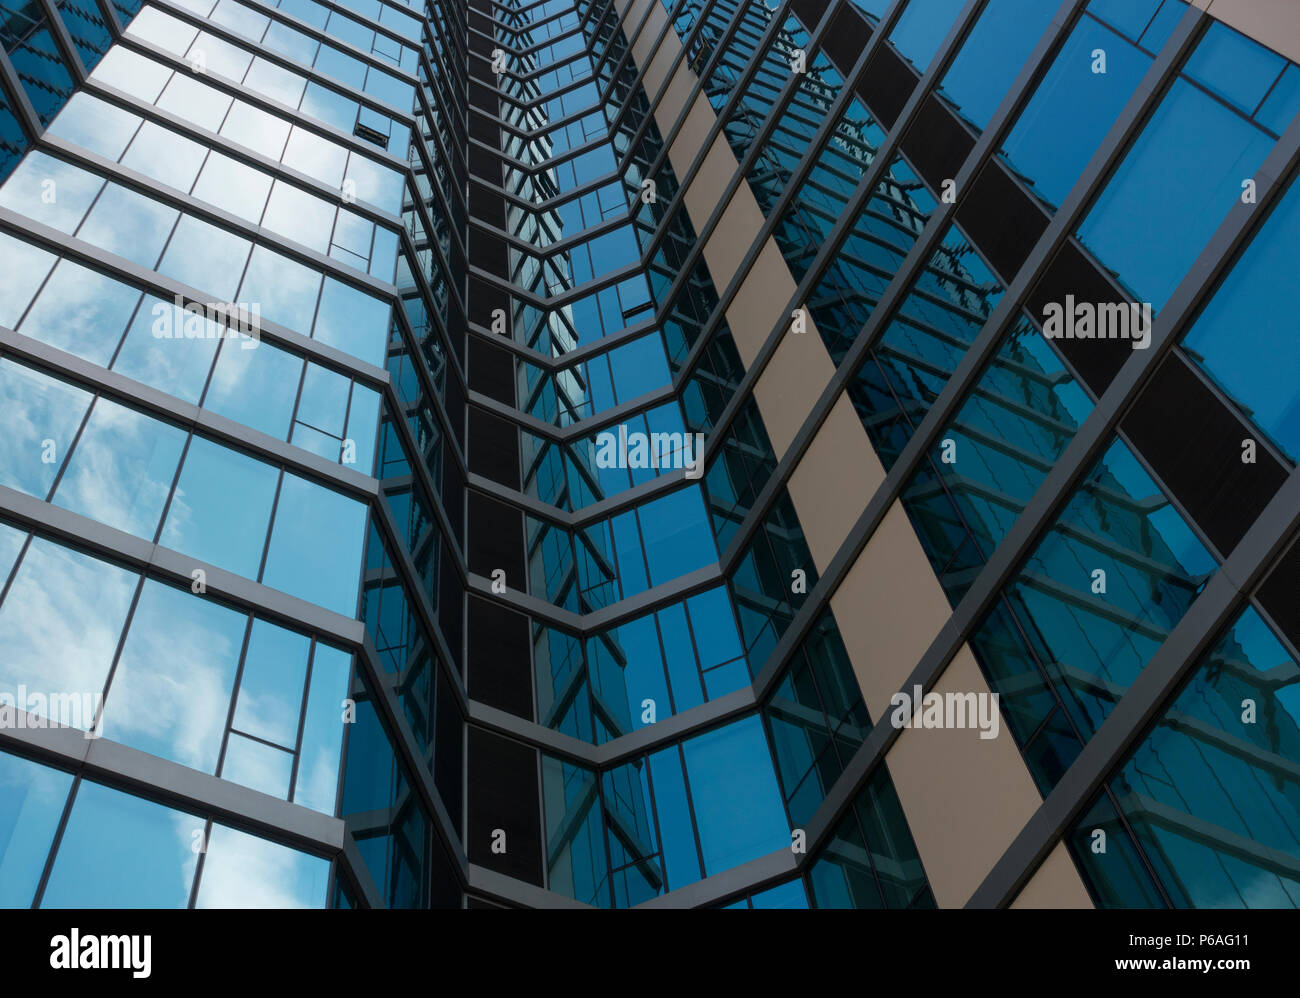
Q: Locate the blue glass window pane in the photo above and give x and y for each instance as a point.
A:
(50, 191)
(316, 545)
(89, 31)
(350, 30)
(1129, 17)
(322, 732)
(714, 626)
(343, 68)
(1229, 64)
(171, 688)
(305, 10)
(129, 224)
(221, 508)
(120, 851)
(1072, 110)
(639, 367)
(255, 128)
(1163, 24)
(627, 546)
(324, 400)
(286, 291)
(58, 646)
(363, 425)
(205, 256)
(291, 43)
(681, 859)
(738, 806)
(271, 685)
(683, 671)
(376, 184)
(163, 30)
(239, 18)
(186, 97)
(329, 106)
(235, 187)
(353, 321)
(677, 535)
(121, 471)
(1179, 180)
(81, 311)
(40, 418)
(43, 73)
(300, 216)
(992, 55)
(1246, 337)
(249, 386)
(789, 895)
(304, 436)
(177, 363)
(31, 804)
(221, 57)
(920, 30)
(96, 125)
(165, 156)
(640, 678)
(315, 156)
(25, 268)
(1283, 103)
(132, 73)
(258, 766)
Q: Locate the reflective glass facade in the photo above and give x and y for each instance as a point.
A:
(397, 377)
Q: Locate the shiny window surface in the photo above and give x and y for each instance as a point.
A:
(1179, 179)
(1246, 337)
(1208, 777)
(1097, 597)
(122, 851)
(184, 659)
(989, 59)
(51, 645)
(921, 28)
(31, 803)
(136, 227)
(1072, 109)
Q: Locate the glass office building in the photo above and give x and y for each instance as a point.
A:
(507, 454)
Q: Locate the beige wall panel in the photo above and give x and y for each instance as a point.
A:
(889, 608)
(705, 192)
(1055, 884)
(734, 234)
(657, 64)
(675, 97)
(790, 385)
(761, 301)
(966, 798)
(832, 482)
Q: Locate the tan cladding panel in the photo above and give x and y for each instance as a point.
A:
(731, 239)
(965, 797)
(1055, 884)
(719, 165)
(790, 387)
(889, 608)
(830, 485)
(1275, 23)
(761, 300)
